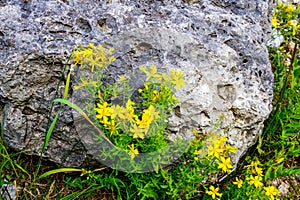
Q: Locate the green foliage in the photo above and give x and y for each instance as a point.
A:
(138, 125)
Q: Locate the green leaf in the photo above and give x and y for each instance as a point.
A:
(55, 171)
(49, 132)
(21, 168)
(278, 171)
(2, 182)
(259, 149)
(297, 73)
(67, 86)
(268, 173)
(75, 195)
(70, 104)
(294, 171)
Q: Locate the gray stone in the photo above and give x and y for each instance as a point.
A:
(220, 45)
(276, 39)
(8, 191)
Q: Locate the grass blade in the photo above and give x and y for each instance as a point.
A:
(47, 138)
(55, 171)
(67, 85)
(70, 104)
(80, 111)
(49, 132)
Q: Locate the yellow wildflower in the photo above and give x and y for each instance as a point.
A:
(77, 57)
(105, 121)
(279, 160)
(259, 171)
(86, 53)
(93, 62)
(194, 131)
(152, 113)
(275, 22)
(130, 110)
(290, 8)
(129, 105)
(152, 73)
(110, 50)
(293, 24)
(103, 111)
(118, 112)
(254, 163)
(92, 45)
(84, 83)
(215, 151)
(100, 47)
(111, 59)
(145, 122)
(221, 142)
(225, 164)
(155, 96)
(239, 182)
(271, 191)
(213, 192)
(122, 78)
(176, 77)
(132, 152)
(146, 85)
(137, 132)
(111, 126)
(196, 158)
(222, 139)
(230, 148)
(256, 181)
(212, 138)
(200, 153)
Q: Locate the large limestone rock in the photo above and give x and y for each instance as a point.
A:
(220, 45)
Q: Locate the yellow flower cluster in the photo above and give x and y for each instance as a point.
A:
(154, 96)
(271, 192)
(159, 87)
(85, 83)
(175, 76)
(275, 22)
(213, 192)
(294, 25)
(254, 174)
(127, 125)
(288, 15)
(93, 56)
(115, 117)
(133, 151)
(238, 182)
(219, 149)
(112, 116)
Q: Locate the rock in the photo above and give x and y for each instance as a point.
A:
(288, 186)
(276, 39)
(220, 46)
(8, 191)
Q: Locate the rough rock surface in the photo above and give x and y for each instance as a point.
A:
(220, 45)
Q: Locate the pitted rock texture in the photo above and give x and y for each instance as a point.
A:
(220, 45)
